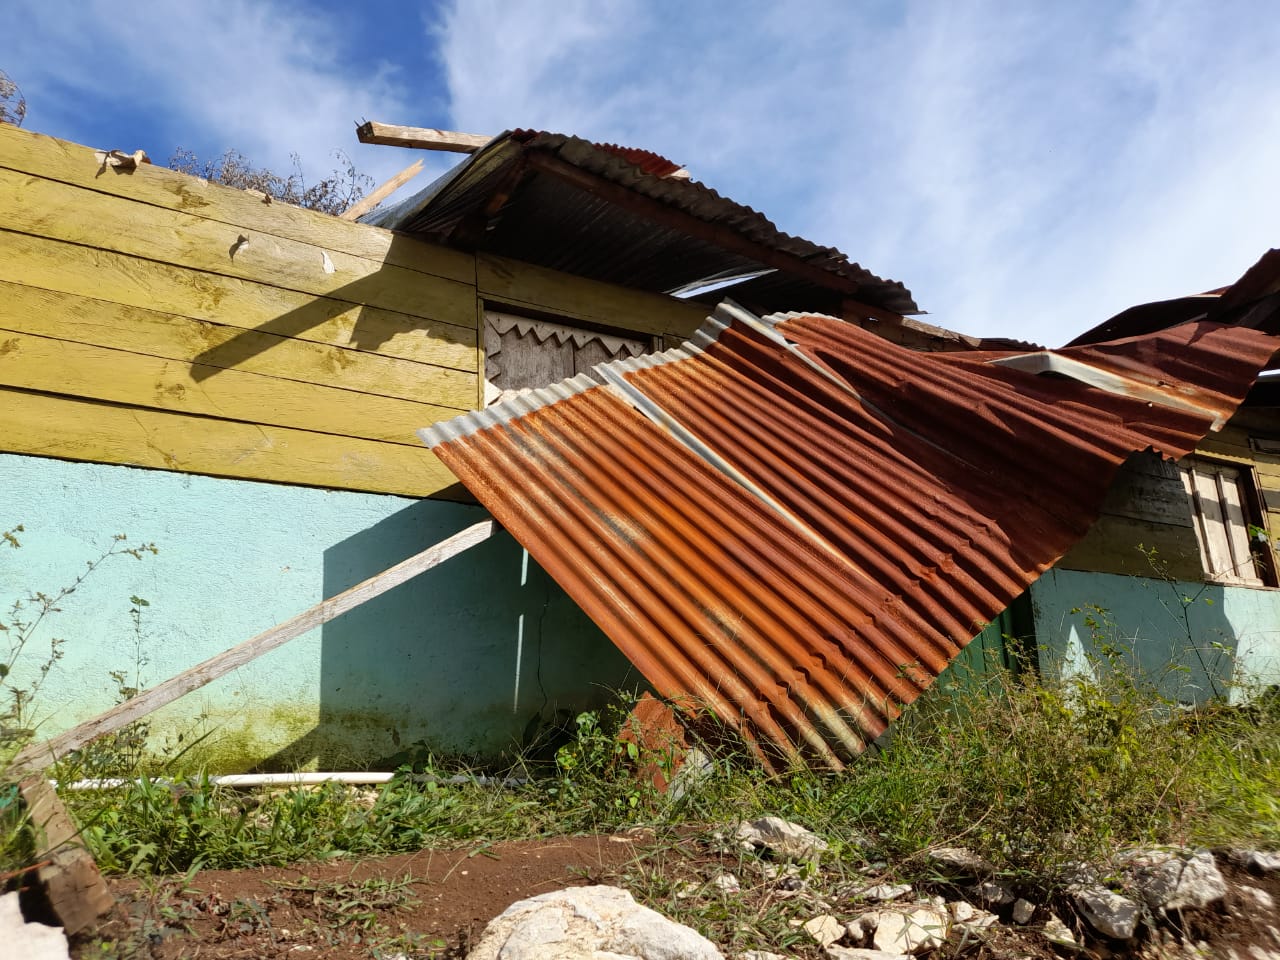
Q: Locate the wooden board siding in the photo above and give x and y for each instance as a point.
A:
(556, 295)
(1144, 528)
(137, 326)
(1232, 444)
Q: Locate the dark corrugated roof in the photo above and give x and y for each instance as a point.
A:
(798, 524)
(1252, 301)
(500, 200)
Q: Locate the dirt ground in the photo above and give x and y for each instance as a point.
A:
(425, 904)
(435, 904)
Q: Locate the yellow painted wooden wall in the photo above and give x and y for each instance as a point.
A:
(154, 319)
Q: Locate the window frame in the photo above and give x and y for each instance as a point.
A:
(1226, 509)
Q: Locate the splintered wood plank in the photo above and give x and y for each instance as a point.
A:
(40, 755)
(97, 373)
(420, 138)
(51, 426)
(76, 892)
(500, 280)
(103, 324)
(48, 208)
(132, 281)
(33, 153)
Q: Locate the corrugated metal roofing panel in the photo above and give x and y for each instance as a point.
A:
(607, 250)
(798, 524)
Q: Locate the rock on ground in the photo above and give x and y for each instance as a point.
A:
(1107, 912)
(584, 923)
(1169, 881)
(781, 837)
(31, 941)
(910, 931)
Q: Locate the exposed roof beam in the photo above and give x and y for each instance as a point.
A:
(371, 200)
(420, 138)
(723, 237)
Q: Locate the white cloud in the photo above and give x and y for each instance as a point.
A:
(267, 78)
(1027, 169)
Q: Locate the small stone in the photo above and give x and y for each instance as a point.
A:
(884, 892)
(962, 910)
(856, 931)
(960, 862)
(781, 838)
(1056, 931)
(761, 955)
(992, 894)
(1262, 861)
(1023, 911)
(933, 901)
(1255, 902)
(910, 931)
(1109, 913)
(726, 883)
(981, 920)
(860, 953)
(825, 929)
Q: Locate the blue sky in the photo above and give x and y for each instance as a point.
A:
(1027, 169)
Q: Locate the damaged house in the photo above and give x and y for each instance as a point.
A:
(797, 512)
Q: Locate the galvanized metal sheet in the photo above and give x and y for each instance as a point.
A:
(798, 525)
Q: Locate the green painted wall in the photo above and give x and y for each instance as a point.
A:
(434, 660)
(1197, 639)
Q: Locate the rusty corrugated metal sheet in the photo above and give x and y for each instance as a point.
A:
(559, 226)
(798, 524)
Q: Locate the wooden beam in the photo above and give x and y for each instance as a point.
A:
(723, 237)
(76, 892)
(419, 138)
(38, 756)
(365, 204)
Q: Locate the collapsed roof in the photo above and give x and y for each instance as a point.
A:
(798, 524)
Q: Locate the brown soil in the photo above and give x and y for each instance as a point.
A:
(426, 904)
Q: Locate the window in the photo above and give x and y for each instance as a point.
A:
(1224, 515)
(521, 352)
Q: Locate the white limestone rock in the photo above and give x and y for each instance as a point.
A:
(825, 929)
(781, 837)
(726, 883)
(587, 923)
(1023, 911)
(1056, 931)
(861, 953)
(1111, 914)
(31, 941)
(913, 930)
(884, 892)
(1167, 880)
(991, 894)
(960, 862)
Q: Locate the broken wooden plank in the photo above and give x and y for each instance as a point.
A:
(365, 204)
(75, 889)
(38, 756)
(419, 138)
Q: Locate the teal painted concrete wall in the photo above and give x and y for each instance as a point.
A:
(434, 660)
(1197, 639)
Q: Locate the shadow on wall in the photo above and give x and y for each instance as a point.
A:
(471, 658)
(1172, 633)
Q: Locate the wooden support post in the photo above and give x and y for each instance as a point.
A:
(420, 138)
(365, 204)
(38, 756)
(76, 891)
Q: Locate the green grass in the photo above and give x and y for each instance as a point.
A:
(1031, 774)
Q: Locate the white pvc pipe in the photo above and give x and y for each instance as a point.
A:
(355, 778)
